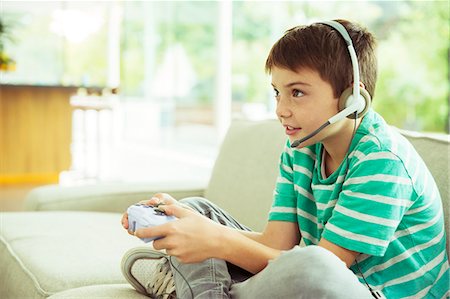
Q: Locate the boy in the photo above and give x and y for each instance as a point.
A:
(352, 189)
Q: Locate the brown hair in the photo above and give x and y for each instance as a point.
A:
(321, 48)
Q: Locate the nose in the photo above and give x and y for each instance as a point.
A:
(283, 108)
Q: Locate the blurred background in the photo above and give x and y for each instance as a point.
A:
(145, 90)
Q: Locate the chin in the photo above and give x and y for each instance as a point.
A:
(292, 139)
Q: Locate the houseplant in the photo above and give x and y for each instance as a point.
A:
(6, 62)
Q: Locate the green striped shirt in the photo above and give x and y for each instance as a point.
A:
(382, 202)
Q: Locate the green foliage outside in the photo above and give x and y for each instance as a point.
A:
(413, 50)
(413, 85)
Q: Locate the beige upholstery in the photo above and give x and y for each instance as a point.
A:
(46, 252)
(435, 151)
(61, 248)
(105, 197)
(246, 169)
(105, 291)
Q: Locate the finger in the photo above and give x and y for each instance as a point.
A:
(162, 243)
(153, 201)
(166, 198)
(188, 207)
(172, 252)
(125, 221)
(126, 224)
(175, 210)
(159, 231)
(158, 199)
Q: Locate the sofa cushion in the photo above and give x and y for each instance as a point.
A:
(106, 196)
(435, 152)
(48, 252)
(245, 172)
(108, 291)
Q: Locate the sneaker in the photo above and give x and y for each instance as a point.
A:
(149, 272)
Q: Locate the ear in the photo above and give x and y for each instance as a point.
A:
(364, 96)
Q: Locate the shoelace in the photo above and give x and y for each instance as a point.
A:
(155, 276)
(161, 282)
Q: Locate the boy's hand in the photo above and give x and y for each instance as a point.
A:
(192, 238)
(159, 199)
(155, 200)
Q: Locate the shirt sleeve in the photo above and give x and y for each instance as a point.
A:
(284, 200)
(375, 196)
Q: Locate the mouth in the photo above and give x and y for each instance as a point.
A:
(291, 130)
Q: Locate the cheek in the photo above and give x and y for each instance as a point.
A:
(315, 117)
(321, 113)
(312, 115)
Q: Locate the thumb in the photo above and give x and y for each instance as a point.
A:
(175, 210)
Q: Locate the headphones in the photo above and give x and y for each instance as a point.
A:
(355, 101)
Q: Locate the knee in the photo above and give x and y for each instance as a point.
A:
(309, 269)
(311, 257)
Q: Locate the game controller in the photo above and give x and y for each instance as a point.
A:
(141, 216)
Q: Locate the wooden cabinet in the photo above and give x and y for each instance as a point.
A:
(35, 133)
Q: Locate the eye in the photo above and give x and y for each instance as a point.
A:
(297, 93)
(276, 93)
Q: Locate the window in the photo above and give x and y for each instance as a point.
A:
(413, 85)
(57, 43)
(169, 53)
(185, 68)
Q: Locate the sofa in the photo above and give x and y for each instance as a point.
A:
(68, 242)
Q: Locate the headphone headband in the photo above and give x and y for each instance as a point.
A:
(353, 57)
(339, 27)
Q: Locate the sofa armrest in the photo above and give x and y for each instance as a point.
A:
(105, 197)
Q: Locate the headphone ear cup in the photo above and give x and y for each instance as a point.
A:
(343, 99)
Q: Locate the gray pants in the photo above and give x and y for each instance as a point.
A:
(309, 272)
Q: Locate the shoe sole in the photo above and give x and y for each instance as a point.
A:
(131, 256)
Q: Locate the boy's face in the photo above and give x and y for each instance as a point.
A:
(304, 103)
